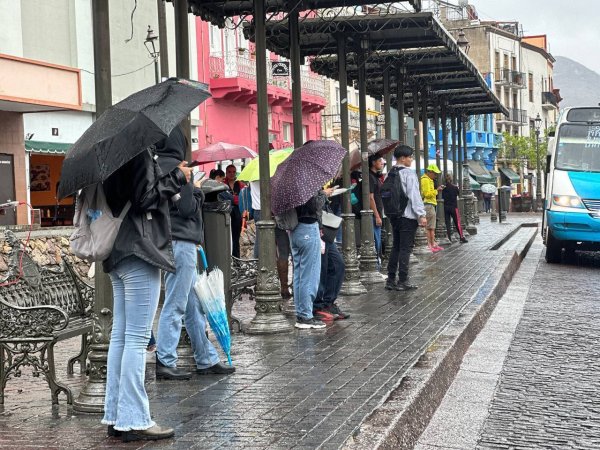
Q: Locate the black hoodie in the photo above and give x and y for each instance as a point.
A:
(186, 210)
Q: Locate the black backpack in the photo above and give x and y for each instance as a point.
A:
(392, 194)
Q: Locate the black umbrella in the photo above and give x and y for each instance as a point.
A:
(126, 129)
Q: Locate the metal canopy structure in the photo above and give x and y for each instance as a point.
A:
(418, 43)
(217, 11)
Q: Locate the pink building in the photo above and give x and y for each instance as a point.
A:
(226, 61)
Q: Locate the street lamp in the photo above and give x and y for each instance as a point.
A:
(150, 45)
(463, 42)
(538, 185)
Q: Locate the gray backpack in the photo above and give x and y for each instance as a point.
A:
(96, 228)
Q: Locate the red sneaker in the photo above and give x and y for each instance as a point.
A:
(324, 315)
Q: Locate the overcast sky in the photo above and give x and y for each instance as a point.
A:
(573, 26)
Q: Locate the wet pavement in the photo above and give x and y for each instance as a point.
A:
(530, 379)
(547, 396)
(306, 389)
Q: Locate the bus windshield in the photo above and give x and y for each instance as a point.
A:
(578, 148)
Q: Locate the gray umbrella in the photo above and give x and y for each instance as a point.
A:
(301, 175)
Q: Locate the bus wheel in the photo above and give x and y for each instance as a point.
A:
(553, 249)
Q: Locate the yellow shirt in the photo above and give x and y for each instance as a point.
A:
(428, 190)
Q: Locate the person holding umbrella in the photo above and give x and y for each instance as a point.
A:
(142, 248)
(187, 231)
(297, 187)
(117, 151)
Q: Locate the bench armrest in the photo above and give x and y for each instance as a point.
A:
(33, 322)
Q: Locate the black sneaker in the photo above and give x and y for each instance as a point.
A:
(218, 369)
(335, 310)
(405, 286)
(463, 240)
(390, 285)
(303, 323)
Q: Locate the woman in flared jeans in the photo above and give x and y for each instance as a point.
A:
(141, 249)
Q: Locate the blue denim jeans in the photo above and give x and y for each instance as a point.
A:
(306, 254)
(332, 277)
(136, 288)
(377, 239)
(181, 302)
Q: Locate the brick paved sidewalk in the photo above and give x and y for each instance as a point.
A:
(306, 389)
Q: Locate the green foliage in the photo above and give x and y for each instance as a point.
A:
(516, 148)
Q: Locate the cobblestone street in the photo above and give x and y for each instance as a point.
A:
(548, 391)
(530, 379)
(300, 390)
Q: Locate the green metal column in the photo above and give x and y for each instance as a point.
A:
(436, 133)
(459, 157)
(91, 397)
(295, 57)
(352, 284)
(425, 127)
(162, 39)
(182, 60)
(368, 258)
(417, 119)
(269, 317)
(454, 147)
(467, 193)
(400, 104)
(444, 139)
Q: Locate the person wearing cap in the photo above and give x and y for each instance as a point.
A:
(429, 194)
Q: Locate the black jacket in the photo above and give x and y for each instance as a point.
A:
(450, 194)
(146, 229)
(185, 210)
(312, 210)
(186, 215)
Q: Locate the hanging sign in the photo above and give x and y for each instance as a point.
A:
(280, 68)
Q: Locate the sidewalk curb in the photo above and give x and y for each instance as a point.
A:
(404, 415)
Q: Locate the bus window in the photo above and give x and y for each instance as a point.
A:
(578, 148)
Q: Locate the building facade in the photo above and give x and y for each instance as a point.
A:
(47, 90)
(518, 69)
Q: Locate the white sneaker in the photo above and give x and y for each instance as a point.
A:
(308, 323)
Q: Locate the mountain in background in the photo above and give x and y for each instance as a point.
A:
(579, 86)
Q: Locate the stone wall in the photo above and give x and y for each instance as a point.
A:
(47, 247)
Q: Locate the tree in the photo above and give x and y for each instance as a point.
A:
(514, 149)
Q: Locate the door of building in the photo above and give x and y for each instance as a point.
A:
(7, 188)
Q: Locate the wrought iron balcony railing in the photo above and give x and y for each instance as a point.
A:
(549, 100)
(507, 77)
(243, 65)
(518, 116)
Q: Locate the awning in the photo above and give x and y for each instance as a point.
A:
(478, 171)
(494, 173)
(513, 176)
(475, 186)
(51, 148)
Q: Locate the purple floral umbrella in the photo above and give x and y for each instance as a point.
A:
(300, 176)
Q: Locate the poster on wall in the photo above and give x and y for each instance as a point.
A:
(39, 177)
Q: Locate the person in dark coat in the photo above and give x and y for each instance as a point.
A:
(181, 302)
(141, 249)
(236, 215)
(450, 195)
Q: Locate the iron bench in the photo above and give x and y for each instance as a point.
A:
(38, 309)
(244, 274)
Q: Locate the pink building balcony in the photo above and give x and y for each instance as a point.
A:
(233, 78)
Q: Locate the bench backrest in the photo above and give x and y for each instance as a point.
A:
(39, 286)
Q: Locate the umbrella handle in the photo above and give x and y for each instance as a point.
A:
(203, 257)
